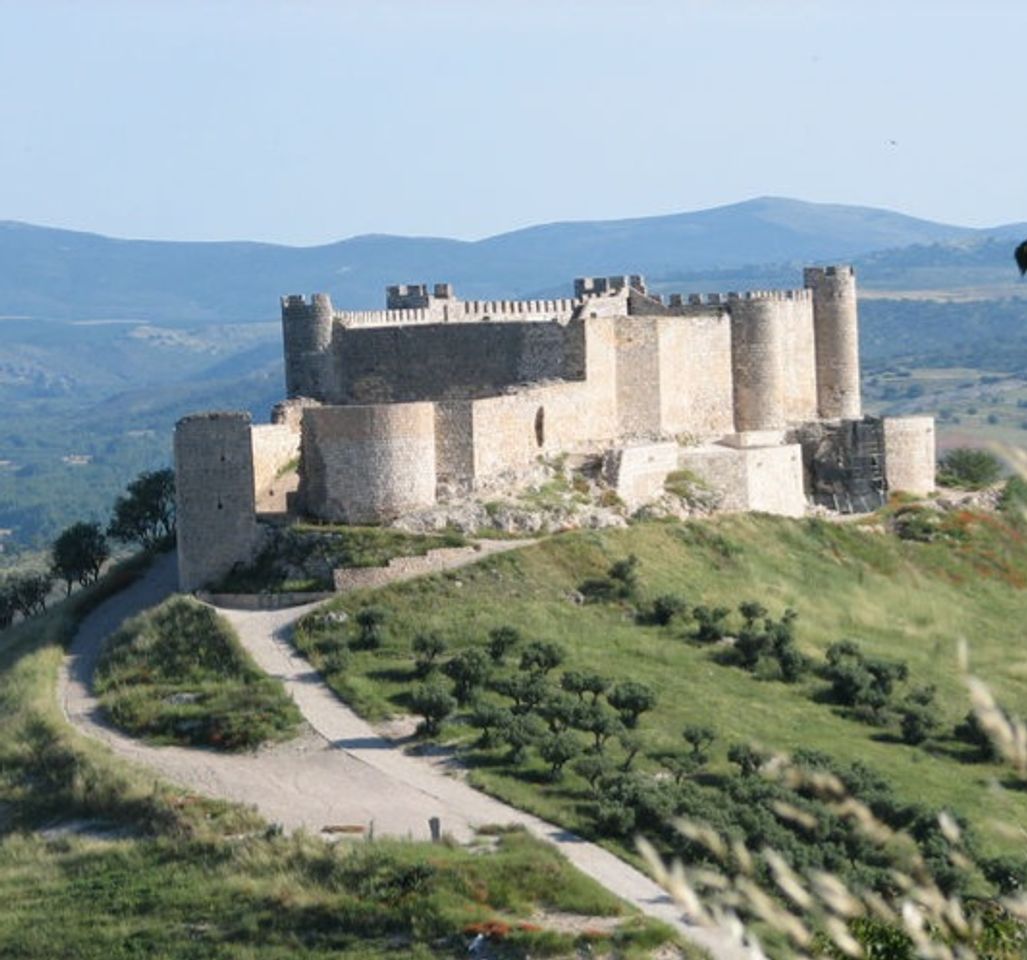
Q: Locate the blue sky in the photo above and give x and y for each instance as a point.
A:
(303, 121)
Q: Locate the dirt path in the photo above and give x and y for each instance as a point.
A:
(342, 772)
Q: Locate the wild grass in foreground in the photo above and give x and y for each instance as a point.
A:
(178, 674)
(279, 897)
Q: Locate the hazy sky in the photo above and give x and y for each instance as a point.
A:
(304, 122)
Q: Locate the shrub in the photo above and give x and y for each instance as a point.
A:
(581, 682)
(434, 703)
(427, 647)
(710, 626)
(969, 468)
(468, 670)
(501, 641)
(631, 699)
(541, 656)
(862, 682)
(371, 627)
(558, 749)
(664, 609)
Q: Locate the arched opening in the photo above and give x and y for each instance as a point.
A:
(540, 426)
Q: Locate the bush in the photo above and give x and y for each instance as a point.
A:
(371, 627)
(434, 703)
(664, 609)
(501, 641)
(969, 468)
(468, 670)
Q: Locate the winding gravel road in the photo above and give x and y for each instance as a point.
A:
(341, 772)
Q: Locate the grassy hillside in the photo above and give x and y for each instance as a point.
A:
(900, 600)
(99, 861)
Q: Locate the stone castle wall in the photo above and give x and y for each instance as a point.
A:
(216, 507)
(909, 454)
(366, 464)
(406, 364)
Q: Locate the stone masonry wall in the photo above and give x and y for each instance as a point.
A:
(909, 454)
(639, 381)
(367, 464)
(217, 525)
(696, 393)
(799, 385)
(447, 362)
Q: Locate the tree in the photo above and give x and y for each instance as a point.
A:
(488, 718)
(29, 592)
(699, 739)
(433, 702)
(600, 721)
(631, 699)
(748, 758)
(428, 647)
(8, 608)
(527, 690)
(521, 732)
(557, 749)
(665, 608)
(501, 641)
(581, 682)
(145, 514)
(540, 657)
(468, 670)
(79, 553)
(370, 624)
(969, 468)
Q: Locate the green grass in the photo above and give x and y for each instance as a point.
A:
(182, 876)
(911, 601)
(178, 674)
(287, 897)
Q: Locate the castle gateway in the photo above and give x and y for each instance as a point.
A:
(435, 398)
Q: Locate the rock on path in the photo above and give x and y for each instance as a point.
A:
(342, 773)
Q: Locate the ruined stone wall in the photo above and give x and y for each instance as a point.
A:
(441, 362)
(274, 446)
(638, 472)
(366, 464)
(214, 483)
(696, 395)
(836, 329)
(909, 454)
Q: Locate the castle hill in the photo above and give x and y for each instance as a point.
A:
(435, 399)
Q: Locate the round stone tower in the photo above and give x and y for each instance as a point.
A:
(216, 509)
(757, 361)
(307, 335)
(836, 334)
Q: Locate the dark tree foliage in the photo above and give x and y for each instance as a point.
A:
(631, 699)
(969, 468)
(78, 554)
(28, 592)
(521, 731)
(710, 627)
(527, 690)
(558, 749)
(581, 682)
(489, 718)
(427, 647)
(970, 731)
(145, 514)
(371, 627)
(599, 721)
(501, 641)
(541, 656)
(434, 703)
(469, 670)
(861, 682)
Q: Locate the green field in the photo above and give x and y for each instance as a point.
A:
(900, 600)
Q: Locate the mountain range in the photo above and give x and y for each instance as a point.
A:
(61, 274)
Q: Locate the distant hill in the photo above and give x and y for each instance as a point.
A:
(60, 274)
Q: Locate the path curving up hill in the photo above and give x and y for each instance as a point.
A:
(341, 773)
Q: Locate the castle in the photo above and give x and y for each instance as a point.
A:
(391, 411)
